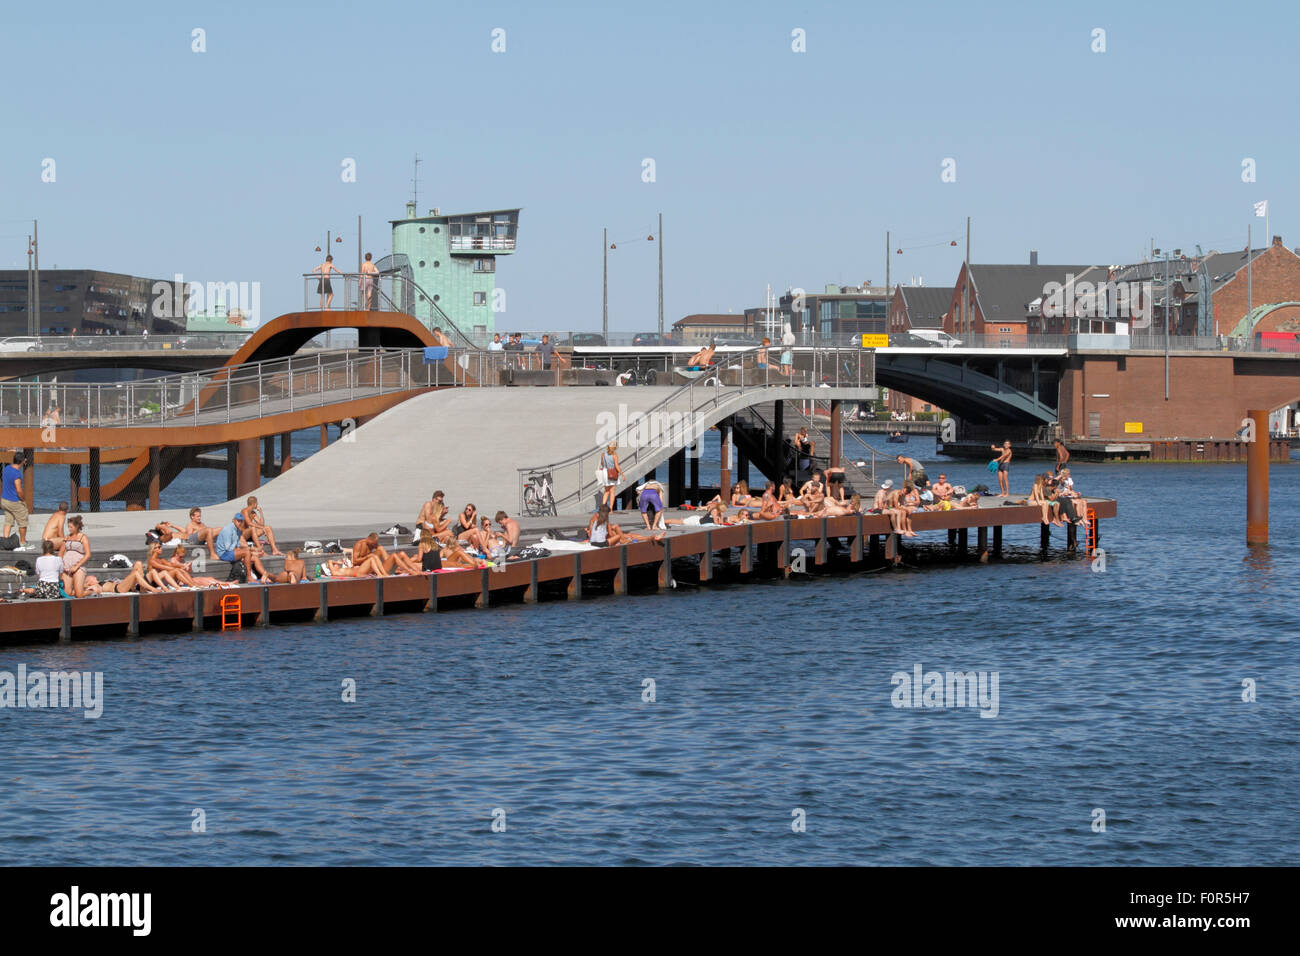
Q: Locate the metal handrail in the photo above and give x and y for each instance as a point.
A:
(711, 379)
(301, 381)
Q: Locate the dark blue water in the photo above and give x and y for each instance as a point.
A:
(1119, 691)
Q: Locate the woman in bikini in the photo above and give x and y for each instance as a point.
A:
(134, 581)
(453, 556)
(74, 553)
(159, 570)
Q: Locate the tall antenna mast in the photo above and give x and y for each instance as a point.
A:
(415, 182)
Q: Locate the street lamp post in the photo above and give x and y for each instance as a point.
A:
(1167, 255)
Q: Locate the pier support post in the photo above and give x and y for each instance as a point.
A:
(725, 451)
(575, 582)
(432, 604)
(963, 539)
(837, 433)
(620, 579)
(94, 479)
(952, 539)
(747, 553)
(997, 541)
(286, 451)
(264, 614)
(65, 623)
(133, 615)
(155, 477)
(324, 436)
(268, 457)
(982, 543)
(246, 467)
(873, 546)
(676, 479)
(666, 569)
(783, 556)
(1256, 480)
(484, 599)
(530, 593)
(74, 487)
(1044, 537)
(1071, 537)
(778, 426)
(695, 471)
(323, 610)
(197, 625)
(232, 470)
(855, 549)
(378, 609)
(819, 556)
(891, 548)
(29, 478)
(706, 559)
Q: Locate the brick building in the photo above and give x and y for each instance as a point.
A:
(916, 307)
(1002, 297)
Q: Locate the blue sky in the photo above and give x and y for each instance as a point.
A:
(771, 166)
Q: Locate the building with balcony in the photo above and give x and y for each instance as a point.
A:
(453, 259)
(89, 302)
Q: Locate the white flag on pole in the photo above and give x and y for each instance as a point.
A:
(1261, 209)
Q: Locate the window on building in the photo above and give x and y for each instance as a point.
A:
(480, 298)
(485, 265)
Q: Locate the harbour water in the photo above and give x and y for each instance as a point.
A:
(1119, 691)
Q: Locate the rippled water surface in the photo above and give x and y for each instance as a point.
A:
(1119, 691)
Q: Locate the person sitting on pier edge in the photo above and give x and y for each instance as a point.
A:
(466, 521)
(603, 533)
(55, 526)
(785, 496)
(429, 552)
(942, 489)
(257, 528)
(881, 501)
(769, 508)
(389, 563)
(813, 490)
(454, 556)
(509, 531)
(295, 568)
(913, 471)
(898, 510)
(196, 532)
(48, 571)
(230, 550)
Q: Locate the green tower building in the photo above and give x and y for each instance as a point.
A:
(454, 262)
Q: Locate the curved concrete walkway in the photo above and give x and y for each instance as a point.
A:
(469, 442)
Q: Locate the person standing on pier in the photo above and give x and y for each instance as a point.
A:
(1004, 464)
(11, 500)
(1062, 455)
(913, 471)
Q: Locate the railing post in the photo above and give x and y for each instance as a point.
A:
(290, 383)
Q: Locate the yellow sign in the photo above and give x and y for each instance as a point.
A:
(878, 341)
(1133, 428)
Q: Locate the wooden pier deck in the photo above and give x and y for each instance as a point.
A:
(763, 546)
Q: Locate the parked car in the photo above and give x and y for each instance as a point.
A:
(587, 338)
(937, 337)
(909, 340)
(647, 338)
(735, 339)
(20, 343)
